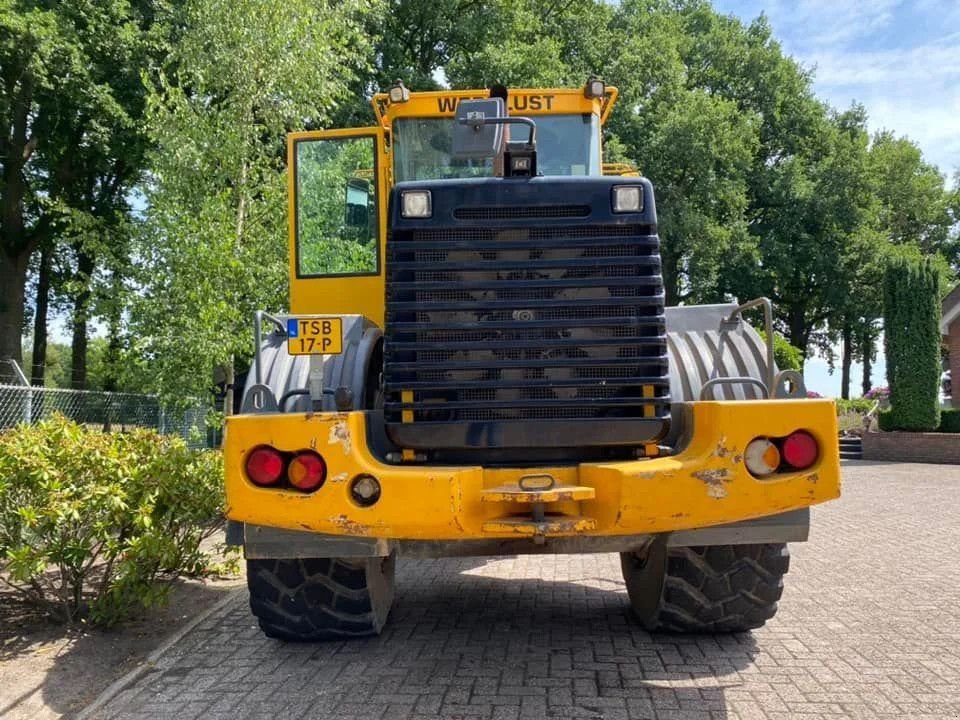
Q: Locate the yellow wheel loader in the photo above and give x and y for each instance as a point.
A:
(478, 360)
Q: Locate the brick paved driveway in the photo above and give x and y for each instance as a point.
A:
(869, 627)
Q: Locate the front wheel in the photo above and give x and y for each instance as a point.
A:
(717, 588)
(310, 599)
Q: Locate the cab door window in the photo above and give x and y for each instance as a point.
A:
(336, 206)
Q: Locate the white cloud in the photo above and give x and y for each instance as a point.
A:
(899, 58)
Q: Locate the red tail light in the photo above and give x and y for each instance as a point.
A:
(800, 450)
(307, 471)
(264, 466)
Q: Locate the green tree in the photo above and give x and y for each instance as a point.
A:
(71, 147)
(911, 308)
(214, 250)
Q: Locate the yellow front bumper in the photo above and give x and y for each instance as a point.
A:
(705, 484)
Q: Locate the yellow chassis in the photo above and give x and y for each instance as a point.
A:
(705, 484)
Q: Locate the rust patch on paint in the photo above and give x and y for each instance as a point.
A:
(714, 480)
(738, 458)
(340, 435)
(813, 477)
(721, 449)
(351, 527)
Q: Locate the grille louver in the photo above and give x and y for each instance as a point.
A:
(512, 326)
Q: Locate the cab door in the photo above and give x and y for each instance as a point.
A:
(338, 222)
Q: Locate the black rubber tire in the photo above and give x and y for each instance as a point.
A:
(321, 598)
(713, 589)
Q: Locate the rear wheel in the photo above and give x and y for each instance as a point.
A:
(718, 588)
(321, 598)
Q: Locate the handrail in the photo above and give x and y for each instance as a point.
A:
(713, 382)
(258, 338)
(768, 332)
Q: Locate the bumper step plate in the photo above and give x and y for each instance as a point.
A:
(551, 525)
(516, 494)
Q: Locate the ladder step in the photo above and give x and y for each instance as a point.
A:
(558, 493)
(552, 525)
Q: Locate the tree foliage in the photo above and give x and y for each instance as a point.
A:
(72, 145)
(213, 249)
(912, 340)
(762, 188)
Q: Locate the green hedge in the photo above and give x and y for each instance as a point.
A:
(92, 524)
(950, 421)
(911, 310)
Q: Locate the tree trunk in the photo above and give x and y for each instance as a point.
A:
(38, 370)
(15, 246)
(846, 361)
(866, 349)
(798, 328)
(13, 279)
(228, 379)
(671, 282)
(81, 316)
(112, 360)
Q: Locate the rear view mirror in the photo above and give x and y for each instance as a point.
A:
(358, 203)
(471, 137)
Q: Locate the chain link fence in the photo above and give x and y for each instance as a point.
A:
(23, 403)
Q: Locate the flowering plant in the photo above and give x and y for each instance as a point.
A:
(877, 393)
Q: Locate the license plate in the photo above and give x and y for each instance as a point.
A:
(314, 336)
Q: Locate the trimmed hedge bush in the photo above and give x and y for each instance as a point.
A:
(91, 523)
(950, 421)
(911, 315)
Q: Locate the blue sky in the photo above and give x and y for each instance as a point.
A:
(899, 58)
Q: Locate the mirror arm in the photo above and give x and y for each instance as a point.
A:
(477, 122)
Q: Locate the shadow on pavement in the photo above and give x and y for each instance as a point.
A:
(539, 637)
(59, 671)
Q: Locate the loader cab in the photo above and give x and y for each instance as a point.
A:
(340, 180)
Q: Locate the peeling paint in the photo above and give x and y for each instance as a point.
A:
(721, 450)
(714, 480)
(340, 477)
(313, 443)
(813, 477)
(350, 526)
(340, 435)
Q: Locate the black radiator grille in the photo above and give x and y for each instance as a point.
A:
(521, 212)
(489, 324)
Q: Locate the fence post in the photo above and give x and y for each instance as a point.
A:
(28, 405)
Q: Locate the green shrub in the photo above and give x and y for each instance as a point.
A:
(786, 355)
(950, 421)
(885, 421)
(91, 523)
(911, 316)
(857, 405)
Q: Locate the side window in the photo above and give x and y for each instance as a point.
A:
(336, 202)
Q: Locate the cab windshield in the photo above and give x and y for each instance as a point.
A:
(566, 145)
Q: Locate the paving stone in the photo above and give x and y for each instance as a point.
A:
(868, 628)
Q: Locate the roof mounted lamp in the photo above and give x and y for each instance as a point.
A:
(399, 93)
(595, 88)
